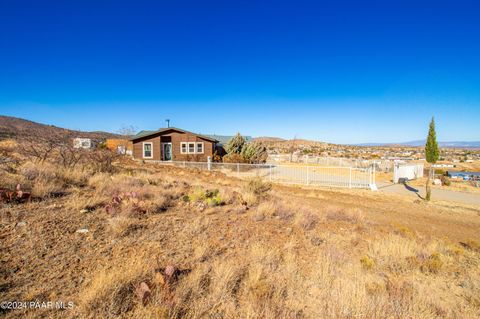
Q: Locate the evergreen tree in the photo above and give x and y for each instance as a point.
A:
(431, 154)
(235, 144)
(254, 152)
(239, 151)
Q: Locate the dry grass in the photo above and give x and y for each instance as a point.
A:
(109, 294)
(262, 252)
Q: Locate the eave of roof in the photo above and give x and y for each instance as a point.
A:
(142, 134)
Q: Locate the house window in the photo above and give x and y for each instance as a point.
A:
(191, 148)
(183, 148)
(147, 150)
(200, 148)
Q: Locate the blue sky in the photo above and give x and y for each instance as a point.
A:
(337, 71)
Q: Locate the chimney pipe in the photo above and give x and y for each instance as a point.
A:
(168, 122)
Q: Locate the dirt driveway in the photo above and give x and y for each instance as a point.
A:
(437, 194)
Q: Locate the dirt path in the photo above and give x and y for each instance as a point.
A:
(437, 194)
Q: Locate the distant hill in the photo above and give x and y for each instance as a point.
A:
(16, 128)
(421, 143)
(268, 139)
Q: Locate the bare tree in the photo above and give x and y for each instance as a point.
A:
(69, 156)
(127, 130)
(101, 160)
(38, 149)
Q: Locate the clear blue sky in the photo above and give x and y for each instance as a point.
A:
(338, 71)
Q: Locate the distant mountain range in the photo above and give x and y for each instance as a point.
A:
(12, 127)
(456, 144)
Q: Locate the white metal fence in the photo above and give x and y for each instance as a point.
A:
(346, 177)
(380, 164)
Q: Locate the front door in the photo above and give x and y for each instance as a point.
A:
(167, 151)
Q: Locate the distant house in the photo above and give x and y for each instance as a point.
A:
(85, 143)
(172, 144)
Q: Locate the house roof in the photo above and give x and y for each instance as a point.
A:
(223, 139)
(148, 133)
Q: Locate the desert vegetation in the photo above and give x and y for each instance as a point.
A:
(239, 151)
(124, 239)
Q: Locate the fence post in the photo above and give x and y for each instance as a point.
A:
(373, 173)
(270, 175)
(370, 175)
(209, 163)
(394, 173)
(308, 175)
(350, 183)
(238, 169)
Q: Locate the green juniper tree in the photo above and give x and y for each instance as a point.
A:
(239, 151)
(431, 154)
(254, 152)
(235, 144)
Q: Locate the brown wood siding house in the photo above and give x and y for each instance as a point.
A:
(172, 144)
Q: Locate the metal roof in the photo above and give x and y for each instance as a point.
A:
(223, 139)
(148, 133)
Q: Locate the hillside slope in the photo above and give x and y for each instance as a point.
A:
(16, 128)
(184, 243)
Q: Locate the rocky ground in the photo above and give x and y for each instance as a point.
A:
(146, 241)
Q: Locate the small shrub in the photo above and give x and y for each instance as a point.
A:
(211, 193)
(267, 208)
(284, 214)
(308, 221)
(214, 201)
(258, 187)
(367, 262)
(432, 264)
(209, 197)
(354, 216)
(249, 199)
(446, 181)
(198, 194)
(338, 214)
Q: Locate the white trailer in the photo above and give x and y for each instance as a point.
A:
(407, 171)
